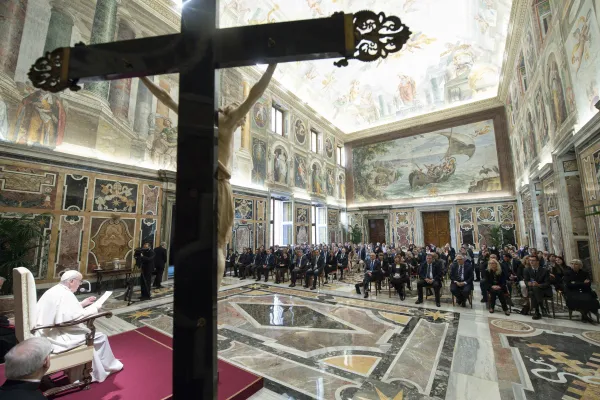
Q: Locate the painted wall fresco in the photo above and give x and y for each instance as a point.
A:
(121, 121)
(458, 160)
(583, 55)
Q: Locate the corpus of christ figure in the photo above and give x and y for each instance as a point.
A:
(231, 117)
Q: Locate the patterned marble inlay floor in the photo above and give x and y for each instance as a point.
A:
(319, 346)
(332, 344)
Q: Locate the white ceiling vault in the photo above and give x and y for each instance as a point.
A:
(454, 57)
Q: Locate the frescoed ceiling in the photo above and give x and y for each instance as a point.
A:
(453, 57)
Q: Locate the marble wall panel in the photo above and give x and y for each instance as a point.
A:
(25, 187)
(302, 235)
(242, 236)
(148, 232)
(110, 238)
(555, 234)
(261, 234)
(576, 205)
(70, 235)
(150, 199)
(115, 196)
(261, 210)
(243, 208)
(75, 192)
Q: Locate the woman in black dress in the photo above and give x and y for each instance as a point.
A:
(399, 276)
(284, 262)
(578, 291)
(557, 273)
(496, 281)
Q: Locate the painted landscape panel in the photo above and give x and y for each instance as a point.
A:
(450, 161)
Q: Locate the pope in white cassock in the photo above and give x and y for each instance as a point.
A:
(58, 305)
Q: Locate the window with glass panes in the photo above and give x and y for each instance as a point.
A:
(314, 141)
(313, 225)
(340, 156)
(281, 222)
(277, 119)
(321, 224)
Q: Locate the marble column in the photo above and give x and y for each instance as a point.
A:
(142, 110)
(103, 31)
(537, 223)
(60, 29)
(11, 31)
(120, 90)
(244, 155)
(564, 207)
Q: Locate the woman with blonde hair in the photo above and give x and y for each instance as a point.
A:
(496, 281)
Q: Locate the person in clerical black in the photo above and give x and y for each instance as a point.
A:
(245, 261)
(145, 260)
(537, 280)
(301, 265)
(160, 260)
(578, 291)
(268, 263)
(384, 267)
(283, 263)
(430, 274)
(461, 276)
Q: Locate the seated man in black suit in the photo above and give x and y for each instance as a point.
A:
(317, 263)
(268, 263)
(342, 262)
(257, 262)
(537, 280)
(330, 264)
(372, 273)
(301, 265)
(461, 276)
(26, 364)
(430, 274)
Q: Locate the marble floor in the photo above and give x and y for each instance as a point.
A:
(333, 344)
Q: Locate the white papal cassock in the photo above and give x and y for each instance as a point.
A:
(59, 305)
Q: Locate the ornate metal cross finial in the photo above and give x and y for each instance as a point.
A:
(51, 72)
(376, 36)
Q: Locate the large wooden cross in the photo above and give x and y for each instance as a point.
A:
(195, 54)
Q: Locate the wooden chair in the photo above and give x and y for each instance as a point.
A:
(25, 317)
(469, 299)
(489, 298)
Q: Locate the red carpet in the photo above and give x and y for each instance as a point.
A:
(148, 359)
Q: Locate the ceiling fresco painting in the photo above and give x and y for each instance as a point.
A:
(453, 57)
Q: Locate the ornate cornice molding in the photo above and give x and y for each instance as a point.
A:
(516, 28)
(438, 116)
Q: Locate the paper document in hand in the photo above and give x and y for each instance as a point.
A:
(98, 303)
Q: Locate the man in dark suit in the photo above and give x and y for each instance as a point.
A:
(342, 262)
(244, 261)
(160, 260)
(372, 273)
(145, 260)
(26, 364)
(301, 265)
(537, 280)
(268, 263)
(317, 263)
(461, 276)
(430, 274)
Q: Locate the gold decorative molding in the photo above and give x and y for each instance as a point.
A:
(437, 116)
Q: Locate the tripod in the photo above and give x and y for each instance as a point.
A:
(133, 278)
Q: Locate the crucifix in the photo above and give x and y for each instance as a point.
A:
(195, 54)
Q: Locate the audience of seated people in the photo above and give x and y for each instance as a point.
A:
(502, 273)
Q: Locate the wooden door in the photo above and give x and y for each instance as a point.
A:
(376, 230)
(436, 227)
